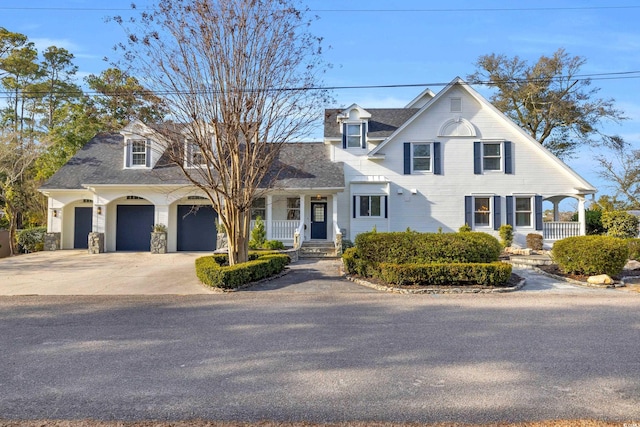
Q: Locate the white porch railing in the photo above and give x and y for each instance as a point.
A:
(282, 230)
(557, 230)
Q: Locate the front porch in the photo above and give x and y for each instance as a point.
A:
(560, 228)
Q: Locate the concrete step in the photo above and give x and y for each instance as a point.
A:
(318, 250)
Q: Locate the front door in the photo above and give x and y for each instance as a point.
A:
(82, 227)
(318, 220)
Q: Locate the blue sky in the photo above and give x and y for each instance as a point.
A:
(377, 42)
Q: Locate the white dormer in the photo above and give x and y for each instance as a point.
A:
(421, 100)
(140, 150)
(353, 123)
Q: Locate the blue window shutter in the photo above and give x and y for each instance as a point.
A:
(437, 159)
(477, 158)
(407, 158)
(497, 217)
(363, 129)
(344, 135)
(538, 212)
(128, 153)
(147, 157)
(386, 207)
(509, 220)
(468, 210)
(354, 206)
(508, 157)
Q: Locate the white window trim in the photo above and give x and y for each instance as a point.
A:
(130, 153)
(359, 124)
(430, 144)
(382, 213)
(491, 210)
(188, 150)
(532, 218)
(290, 209)
(501, 144)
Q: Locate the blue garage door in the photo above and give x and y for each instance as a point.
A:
(196, 228)
(82, 227)
(134, 224)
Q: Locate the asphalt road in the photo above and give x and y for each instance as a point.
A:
(312, 347)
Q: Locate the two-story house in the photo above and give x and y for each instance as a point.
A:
(444, 160)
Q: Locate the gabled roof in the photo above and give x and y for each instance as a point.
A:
(100, 162)
(383, 121)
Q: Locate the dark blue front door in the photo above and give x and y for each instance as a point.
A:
(134, 224)
(82, 227)
(196, 228)
(318, 220)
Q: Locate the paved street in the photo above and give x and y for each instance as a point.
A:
(309, 346)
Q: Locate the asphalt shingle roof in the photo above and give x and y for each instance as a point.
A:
(383, 121)
(101, 161)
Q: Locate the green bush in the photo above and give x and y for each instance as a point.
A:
(534, 241)
(593, 218)
(258, 234)
(421, 248)
(212, 271)
(506, 235)
(634, 249)
(620, 224)
(32, 239)
(464, 229)
(346, 244)
(437, 274)
(591, 255)
(274, 245)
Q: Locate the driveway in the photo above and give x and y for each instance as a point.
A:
(75, 272)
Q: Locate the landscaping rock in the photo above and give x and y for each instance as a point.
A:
(632, 265)
(601, 279)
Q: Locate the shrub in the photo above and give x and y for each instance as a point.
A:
(212, 271)
(534, 241)
(591, 255)
(634, 249)
(32, 239)
(258, 234)
(620, 224)
(274, 245)
(464, 229)
(346, 244)
(485, 274)
(506, 235)
(160, 228)
(593, 218)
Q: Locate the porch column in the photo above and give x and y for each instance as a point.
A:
(556, 210)
(99, 218)
(581, 216)
(161, 215)
(335, 216)
(268, 221)
(302, 213)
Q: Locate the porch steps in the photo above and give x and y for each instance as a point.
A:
(318, 249)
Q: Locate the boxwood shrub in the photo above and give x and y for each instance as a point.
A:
(213, 271)
(457, 274)
(634, 249)
(591, 255)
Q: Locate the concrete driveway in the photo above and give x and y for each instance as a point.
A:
(75, 272)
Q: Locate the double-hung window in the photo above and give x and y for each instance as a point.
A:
(354, 135)
(523, 212)
(370, 206)
(481, 211)
(421, 157)
(491, 156)
(259, 209)
(293, 208)
(138, 152)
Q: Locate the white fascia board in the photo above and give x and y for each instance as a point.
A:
(427, 91)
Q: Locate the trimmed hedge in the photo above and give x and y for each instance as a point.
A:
(455, 274)
(32, 239)
(591, 255)
(423, 248)
(634, 249)
(212, 271)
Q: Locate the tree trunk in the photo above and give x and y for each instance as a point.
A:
(13, 225)
(238, 235)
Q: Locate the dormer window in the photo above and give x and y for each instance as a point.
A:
(354, 135)
(138, 153)
(193, 154)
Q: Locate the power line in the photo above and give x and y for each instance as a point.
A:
(619, 75)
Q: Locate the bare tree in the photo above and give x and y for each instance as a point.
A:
(239, 79)
(622, 170)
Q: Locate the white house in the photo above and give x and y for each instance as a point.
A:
(444, 160)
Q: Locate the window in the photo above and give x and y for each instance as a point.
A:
(491, 157)
(354, 135)
(138, 152)
(194, 154)
(370, 206)
(422, 157)
(523, 211)
(258, 209)
(293, 208)
(481, 211)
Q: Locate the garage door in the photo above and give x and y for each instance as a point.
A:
(134, 224)
(196, 228)
(82, 227)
